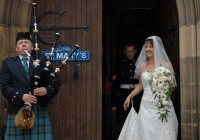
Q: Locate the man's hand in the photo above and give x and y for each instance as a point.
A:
(41, 91)
(114, 108)
(173, 89)
(29, 99)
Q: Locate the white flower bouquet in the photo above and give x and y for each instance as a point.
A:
(161, 81)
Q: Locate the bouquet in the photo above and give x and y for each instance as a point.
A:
(161, 81)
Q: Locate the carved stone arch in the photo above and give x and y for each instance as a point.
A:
(15, 16)
(16, 13)
(10, 12)
(24, 14)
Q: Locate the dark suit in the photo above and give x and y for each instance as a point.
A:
(14, 83)
(123, 75)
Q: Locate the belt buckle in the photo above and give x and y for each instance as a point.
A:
(131, 86)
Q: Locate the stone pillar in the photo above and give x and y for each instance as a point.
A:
(198, 67)
(15, 16)
(188, 69)
(197, 2)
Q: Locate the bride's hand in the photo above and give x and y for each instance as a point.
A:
(126, 103)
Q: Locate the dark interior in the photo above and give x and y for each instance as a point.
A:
(133, 21)
(125, 21)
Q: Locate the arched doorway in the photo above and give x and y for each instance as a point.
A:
(189, 32)
(125, 21)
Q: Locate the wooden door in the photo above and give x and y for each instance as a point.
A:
(75, 112)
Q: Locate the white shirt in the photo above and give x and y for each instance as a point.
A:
(25, 57)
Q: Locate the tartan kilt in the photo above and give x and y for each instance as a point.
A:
(40, 131)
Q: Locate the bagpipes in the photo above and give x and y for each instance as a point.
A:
(25, 117)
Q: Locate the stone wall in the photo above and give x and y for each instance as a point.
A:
(189, 67)
(15, 16)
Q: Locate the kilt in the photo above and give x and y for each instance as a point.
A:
(40, 131)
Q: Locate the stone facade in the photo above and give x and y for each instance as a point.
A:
(189, 16)
(15, 16)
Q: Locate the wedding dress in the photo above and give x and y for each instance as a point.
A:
(145, 125)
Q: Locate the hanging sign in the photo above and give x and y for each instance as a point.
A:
(60, 53)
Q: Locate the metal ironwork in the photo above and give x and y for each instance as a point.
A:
(171, 30)
(55, 27)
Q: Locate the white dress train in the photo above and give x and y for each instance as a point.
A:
(145, 125)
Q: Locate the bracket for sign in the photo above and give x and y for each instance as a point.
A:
(42, 27)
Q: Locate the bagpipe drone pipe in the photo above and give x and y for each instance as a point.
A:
(43, 74)
(40, 71)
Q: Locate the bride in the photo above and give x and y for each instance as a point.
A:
(145, 125)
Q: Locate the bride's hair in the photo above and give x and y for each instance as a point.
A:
(150, 41)
(160, 57)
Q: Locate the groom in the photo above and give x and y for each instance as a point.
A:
(123, 83)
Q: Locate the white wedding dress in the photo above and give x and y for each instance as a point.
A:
(145, 125)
